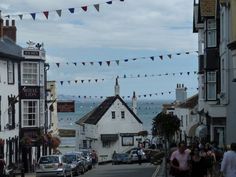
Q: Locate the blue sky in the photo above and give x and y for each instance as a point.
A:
(129, 29)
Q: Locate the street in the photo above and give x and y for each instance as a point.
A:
(124, 170)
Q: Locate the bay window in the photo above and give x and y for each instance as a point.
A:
(30, 113)
(210, 33)
(30, 74)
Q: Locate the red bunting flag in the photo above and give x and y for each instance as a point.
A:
(46, 13)
(85, 8)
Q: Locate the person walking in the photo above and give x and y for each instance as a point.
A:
(228, 165)
(140, 154)
(210, 159)
(197, 164)
(94, 158)
(2, 165)
(179, 161)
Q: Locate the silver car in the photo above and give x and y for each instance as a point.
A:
(53, 165)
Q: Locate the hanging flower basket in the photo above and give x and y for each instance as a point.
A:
(55, 142)
(26, 141)
(2, 142)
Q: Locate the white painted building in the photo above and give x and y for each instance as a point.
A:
(112, 126)
(10, 57)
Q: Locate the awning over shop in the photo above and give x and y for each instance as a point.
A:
(201, 131)
(109, 137)
(192, 130)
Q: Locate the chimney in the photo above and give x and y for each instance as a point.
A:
(117, 87)
(10, 31)
(180, 93)
(134, 103)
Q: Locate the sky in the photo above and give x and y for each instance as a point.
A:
(133, 30)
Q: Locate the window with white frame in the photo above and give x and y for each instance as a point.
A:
(30, 113)
(211, 33)
(211, 85)
(30, 74)
(10, 72)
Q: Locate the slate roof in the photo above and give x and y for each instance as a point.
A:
(8, 48)
(96, 114)
(189, 103)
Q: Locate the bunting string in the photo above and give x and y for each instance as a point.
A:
(125, 76)
(117, 62)
(149, 95)
(59, 11)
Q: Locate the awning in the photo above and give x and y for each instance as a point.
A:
(109, 137)
(192, 130)
(201, 131)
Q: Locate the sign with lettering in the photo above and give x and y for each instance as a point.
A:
(66, 106)
(31, 52)
(30, 92)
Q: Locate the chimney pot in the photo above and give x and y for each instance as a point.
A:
(7, 22)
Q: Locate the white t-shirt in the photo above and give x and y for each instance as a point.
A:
(182, 159)
(228, 165)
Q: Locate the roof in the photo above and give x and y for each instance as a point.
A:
(96, 114)
(8, 48)
(189, 103)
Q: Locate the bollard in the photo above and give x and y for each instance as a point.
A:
(22, 172)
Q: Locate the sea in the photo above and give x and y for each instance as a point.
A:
(146, 111)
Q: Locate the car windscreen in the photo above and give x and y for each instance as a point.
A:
(69, 158)
(49, 159)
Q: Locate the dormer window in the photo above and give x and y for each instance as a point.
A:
(210, 33)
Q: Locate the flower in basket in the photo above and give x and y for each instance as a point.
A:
(55, 142)
(2, 142)
(26, 140)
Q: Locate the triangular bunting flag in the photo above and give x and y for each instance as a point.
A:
(178, 53)
(96, 80)
(85, 8)
(91, 63)
(162, 93)
(144, 95)
(59, 12)
(68, 82)
(117, 62)
(152, 58)
(102, 79)
(134, 59)
(109, 2)
(67, 63)
(161, 57)
(61, 82)
(21, 16)
(75, 63)
(58, 64)
(124, 76)
(96, 6)
(100, 63)
(150, 95)
(181, 73)
(33, 15)
(108, 63)
(83, 63)
(138, 75)
(82, 81)
(89, 80)
(188, 73)
(76, 81)
(195, 72)
(46, 13)
(169, 56)
(169, 92)
(187, 53)
(126, 60)
(122, 0)
(72, 10)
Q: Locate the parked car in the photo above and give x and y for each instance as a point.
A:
(133, 156)
(120, 158)
(87, 155)
(53, 165)
(76, 161)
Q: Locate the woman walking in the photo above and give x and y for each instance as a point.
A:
(197, 164)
